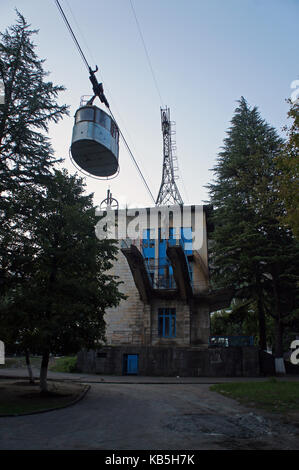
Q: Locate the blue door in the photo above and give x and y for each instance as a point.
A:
(132, 364)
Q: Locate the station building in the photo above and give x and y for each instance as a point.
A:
(163, 326)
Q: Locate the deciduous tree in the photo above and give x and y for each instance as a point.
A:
(59, 306)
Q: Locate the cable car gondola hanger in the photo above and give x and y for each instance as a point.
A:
(95, 139)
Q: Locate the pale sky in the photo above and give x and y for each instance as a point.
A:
(205, 56)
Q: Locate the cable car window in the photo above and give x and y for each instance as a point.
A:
(98, 116)
(105, 121)
(116, 134)
(85, 114)
(114, 130)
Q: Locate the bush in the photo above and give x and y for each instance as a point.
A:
(65, 364)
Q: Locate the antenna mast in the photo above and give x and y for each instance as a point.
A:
(168, 193)
(109, 203)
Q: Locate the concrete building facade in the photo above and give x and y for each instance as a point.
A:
(163, 327)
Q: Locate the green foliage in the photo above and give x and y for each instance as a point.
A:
(241, 319)
(241, 196)
(65, 364)
(271, 395)
(60, 303)
(288, 179)
(54, 273)
(251, 250)
(26, 154)
(30, 105)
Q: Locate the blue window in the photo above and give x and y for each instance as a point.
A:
(172, 240)
(166, 322)
(186, 237)
(148, 250)
(148, 243)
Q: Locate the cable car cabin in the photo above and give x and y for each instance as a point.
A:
(95, 142)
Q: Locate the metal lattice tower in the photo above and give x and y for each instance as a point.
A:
(109, 202)
(168, 192)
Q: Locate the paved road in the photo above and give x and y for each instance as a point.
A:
(96, 378)
(122, 416)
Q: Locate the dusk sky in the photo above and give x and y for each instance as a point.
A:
(205, 55)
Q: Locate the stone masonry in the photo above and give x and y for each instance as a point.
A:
(132, 328)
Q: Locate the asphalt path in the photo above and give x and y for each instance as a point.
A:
(151, 416)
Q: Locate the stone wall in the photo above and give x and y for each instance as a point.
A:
(125, 323)
(135, 320)
(172, 362)
(182, 337)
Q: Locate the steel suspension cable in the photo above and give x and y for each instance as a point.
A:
(89, 69)
(72, 34)
(146, 53)
(134, 160)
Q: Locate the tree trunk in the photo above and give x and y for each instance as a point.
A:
(262, 322)
(279, 361)
(44, 372)
(29, 368)
(278, 338)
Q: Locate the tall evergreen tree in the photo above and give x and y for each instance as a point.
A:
(250, 250)
(30, 104)
(54, 285)
(288, 179)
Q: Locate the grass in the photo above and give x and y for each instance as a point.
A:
(56, 364)
(20, 363)
(272, 395)
(18, 397)
(64, 364)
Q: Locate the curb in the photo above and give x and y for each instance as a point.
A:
(150, 383)
(46, 410)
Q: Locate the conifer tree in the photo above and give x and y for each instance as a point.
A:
(288, 179)
(54, 285)
(30, 104)
(251, 251)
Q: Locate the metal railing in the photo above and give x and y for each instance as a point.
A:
(154, 265)
(219, 341)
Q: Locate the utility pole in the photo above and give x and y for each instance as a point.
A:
(168, 193)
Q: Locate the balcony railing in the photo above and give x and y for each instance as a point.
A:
(154, 266)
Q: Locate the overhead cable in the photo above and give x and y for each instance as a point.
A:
(134, 160)
(146, 53)
(72, 34)
(90, 70)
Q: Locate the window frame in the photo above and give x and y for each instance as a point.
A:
(83, 110)
(166, 322)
